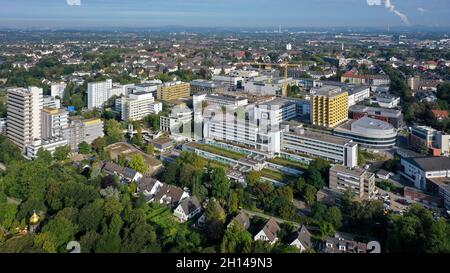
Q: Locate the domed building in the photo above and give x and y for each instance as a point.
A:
(34, 222)
(369, 133)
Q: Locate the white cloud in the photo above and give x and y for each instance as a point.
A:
(73, 2)
(421, 10)
(389, 6)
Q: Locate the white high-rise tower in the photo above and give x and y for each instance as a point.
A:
(24, 115)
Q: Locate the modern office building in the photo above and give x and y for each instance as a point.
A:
(443, 143)
(303, 142)
(423, 134)
(274, 112)
(266, 85)
(54, 122)
(202, 100)
(303, 108)
(438, 142)
(139, 105)
(419, 170)
(151, 87)
(356, 93)
(204, 86)
(243, 133)
(24, 115)
(386, 101)
(206, 105)
(392, 116)
(178, 123)
(358, 180)
(173, 90)
(369, 133)
(329, 106)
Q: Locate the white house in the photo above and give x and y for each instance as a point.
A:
(302, 239)
(187, 209)
(269, 232)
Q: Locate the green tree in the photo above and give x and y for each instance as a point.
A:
(91, 216)
(236, 240)
(253, 178)
(99, 144)
(56, 234)
(113, 131)
(220, 185)
(8, 214)
(310, 194)
(44, 155)
(84, 148)
(138, 163)
(334, 217)
(61, 153)
(214, 220)
(150, 149)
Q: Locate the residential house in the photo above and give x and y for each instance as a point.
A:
(269, 232)
(126, 175)
(242, 218)
(338, 244)
(302, 239)
(187, 209)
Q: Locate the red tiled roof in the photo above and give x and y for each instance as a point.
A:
(440, 113)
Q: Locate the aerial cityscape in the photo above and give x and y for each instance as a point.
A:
(225, 127)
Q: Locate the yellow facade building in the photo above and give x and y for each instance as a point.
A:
(173, 91)
(329, 106)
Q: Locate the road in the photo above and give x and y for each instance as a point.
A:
(265, 216)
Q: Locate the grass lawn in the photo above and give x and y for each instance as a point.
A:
(218, 151)
(288, 163)
(275, 175)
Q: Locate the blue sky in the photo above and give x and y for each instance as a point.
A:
(233, 13)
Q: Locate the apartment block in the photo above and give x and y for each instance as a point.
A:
(329, 106)
(358, 180)
(54, 121)
(24, 115)
(98, 93)
(80, 130)
(173, 90)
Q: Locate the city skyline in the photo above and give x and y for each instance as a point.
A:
(221, 13)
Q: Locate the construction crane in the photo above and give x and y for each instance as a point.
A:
(284, 65)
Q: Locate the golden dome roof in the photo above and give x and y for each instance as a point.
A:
(34, 219)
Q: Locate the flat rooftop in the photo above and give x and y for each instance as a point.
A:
(327, 90)
(367, 123)
(376, 110)
(319, 136)
(277, 102)
(352, 171)
(431, 164)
